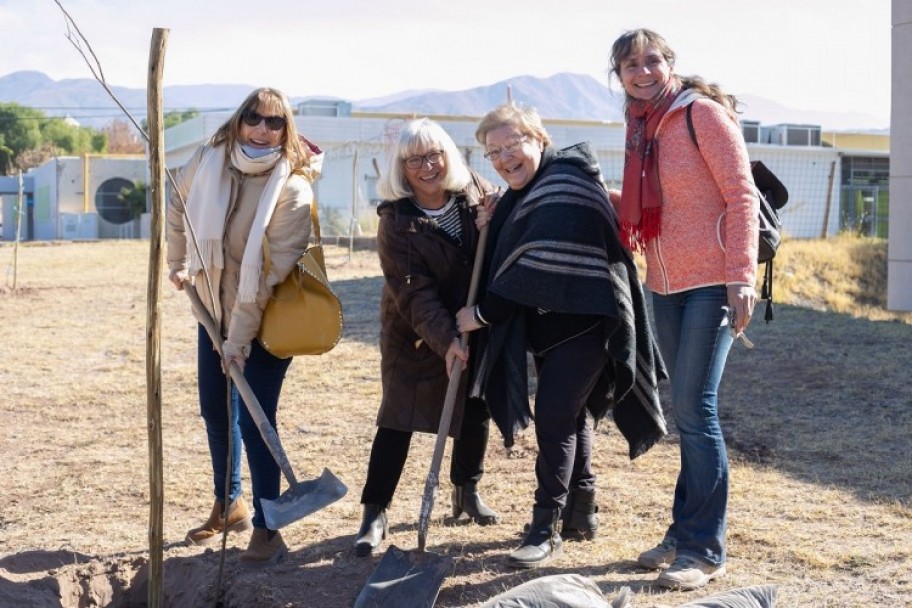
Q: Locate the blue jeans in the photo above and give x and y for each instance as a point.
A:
(693, 334)
(265, 374)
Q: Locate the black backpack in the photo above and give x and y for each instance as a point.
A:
(773, 195)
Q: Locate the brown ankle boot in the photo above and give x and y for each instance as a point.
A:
(266, 548)
(239, 519)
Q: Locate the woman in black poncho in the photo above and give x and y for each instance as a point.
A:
(559, 285)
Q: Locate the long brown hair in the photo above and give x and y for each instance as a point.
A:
(635, 41)
(293, 146)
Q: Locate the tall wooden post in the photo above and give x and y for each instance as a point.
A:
(354, 212)
(153, 312)
(19, 213)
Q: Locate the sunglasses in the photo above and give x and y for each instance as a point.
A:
(273, 123)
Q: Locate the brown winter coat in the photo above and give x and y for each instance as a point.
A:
(427, 277)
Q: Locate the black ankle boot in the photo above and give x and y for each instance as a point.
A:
(466, 499)
(579, 520)
(542, 543)
(374, 526)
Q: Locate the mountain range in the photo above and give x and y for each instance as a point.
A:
(561, 96)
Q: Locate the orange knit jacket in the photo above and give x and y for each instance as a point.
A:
(709, 226)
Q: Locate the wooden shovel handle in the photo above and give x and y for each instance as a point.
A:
(446, 416)
(269, 435)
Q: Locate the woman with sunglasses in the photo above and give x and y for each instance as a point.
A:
(426, 241)
(251, 183)
(559, 285)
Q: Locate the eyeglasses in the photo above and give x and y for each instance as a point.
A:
(416, 162)
(493, 154)
(253, 119)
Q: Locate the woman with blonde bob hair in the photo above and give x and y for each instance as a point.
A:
(558, 285)
(417, 135)
(248, 186)
(426, 240)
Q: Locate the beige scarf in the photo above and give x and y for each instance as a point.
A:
(207, 209)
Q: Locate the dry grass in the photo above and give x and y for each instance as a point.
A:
(817, 417)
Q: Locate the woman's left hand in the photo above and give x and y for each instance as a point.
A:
(465, 319)
(454, 352)
(486, 208)
(240, 360)
(741, 299)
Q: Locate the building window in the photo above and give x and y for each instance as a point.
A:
(865, 196)
(110, 205)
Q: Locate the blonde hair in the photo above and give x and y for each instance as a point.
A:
(417, 135)
(294, 147)
(525, 118)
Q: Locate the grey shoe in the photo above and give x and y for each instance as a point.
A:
(687, 573)
(660, 556)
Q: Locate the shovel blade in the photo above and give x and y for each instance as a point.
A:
(302, 499)
(405, 579)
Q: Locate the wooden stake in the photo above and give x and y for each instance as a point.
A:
(829, 200)
(153, 312)
(19, 213)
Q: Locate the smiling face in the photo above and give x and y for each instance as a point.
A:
(644, 73)
(427, 181)
(517, 166)
(260, 136)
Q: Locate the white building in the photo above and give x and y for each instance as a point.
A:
(72, 197)
(355, 144)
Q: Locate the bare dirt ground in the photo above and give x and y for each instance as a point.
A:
(817, 417)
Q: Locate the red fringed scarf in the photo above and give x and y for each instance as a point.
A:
(641, 197)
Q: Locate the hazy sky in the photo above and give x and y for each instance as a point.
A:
(825, 55)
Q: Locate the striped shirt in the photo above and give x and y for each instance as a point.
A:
(447, 218)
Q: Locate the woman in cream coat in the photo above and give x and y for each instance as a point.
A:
(250, 182)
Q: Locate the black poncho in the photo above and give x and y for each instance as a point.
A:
(556, 247)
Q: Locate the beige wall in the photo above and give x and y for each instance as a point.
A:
(899, 265)
(860, 142)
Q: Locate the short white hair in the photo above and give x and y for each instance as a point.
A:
(416, 135)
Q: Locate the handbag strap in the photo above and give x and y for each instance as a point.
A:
(315, 230)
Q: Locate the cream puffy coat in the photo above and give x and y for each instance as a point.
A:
(288, 234)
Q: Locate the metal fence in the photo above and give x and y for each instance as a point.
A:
(829, 191)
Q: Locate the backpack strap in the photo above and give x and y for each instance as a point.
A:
(690, 124)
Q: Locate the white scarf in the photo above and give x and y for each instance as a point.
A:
(207, 209)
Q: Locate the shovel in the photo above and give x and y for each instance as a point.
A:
(301, 498)
(412, 579)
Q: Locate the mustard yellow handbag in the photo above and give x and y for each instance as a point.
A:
(304, 315)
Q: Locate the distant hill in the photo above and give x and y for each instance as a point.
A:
(570, 96)
(564, 95)
(85, 100)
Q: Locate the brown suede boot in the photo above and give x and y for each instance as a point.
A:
(266, 548)
(239, 519)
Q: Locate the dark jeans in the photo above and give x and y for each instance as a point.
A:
(567, 373)
(265, 374)
(693, 334)
(390, 451)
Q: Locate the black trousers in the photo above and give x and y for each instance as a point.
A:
(567, 374)
(390, 451)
